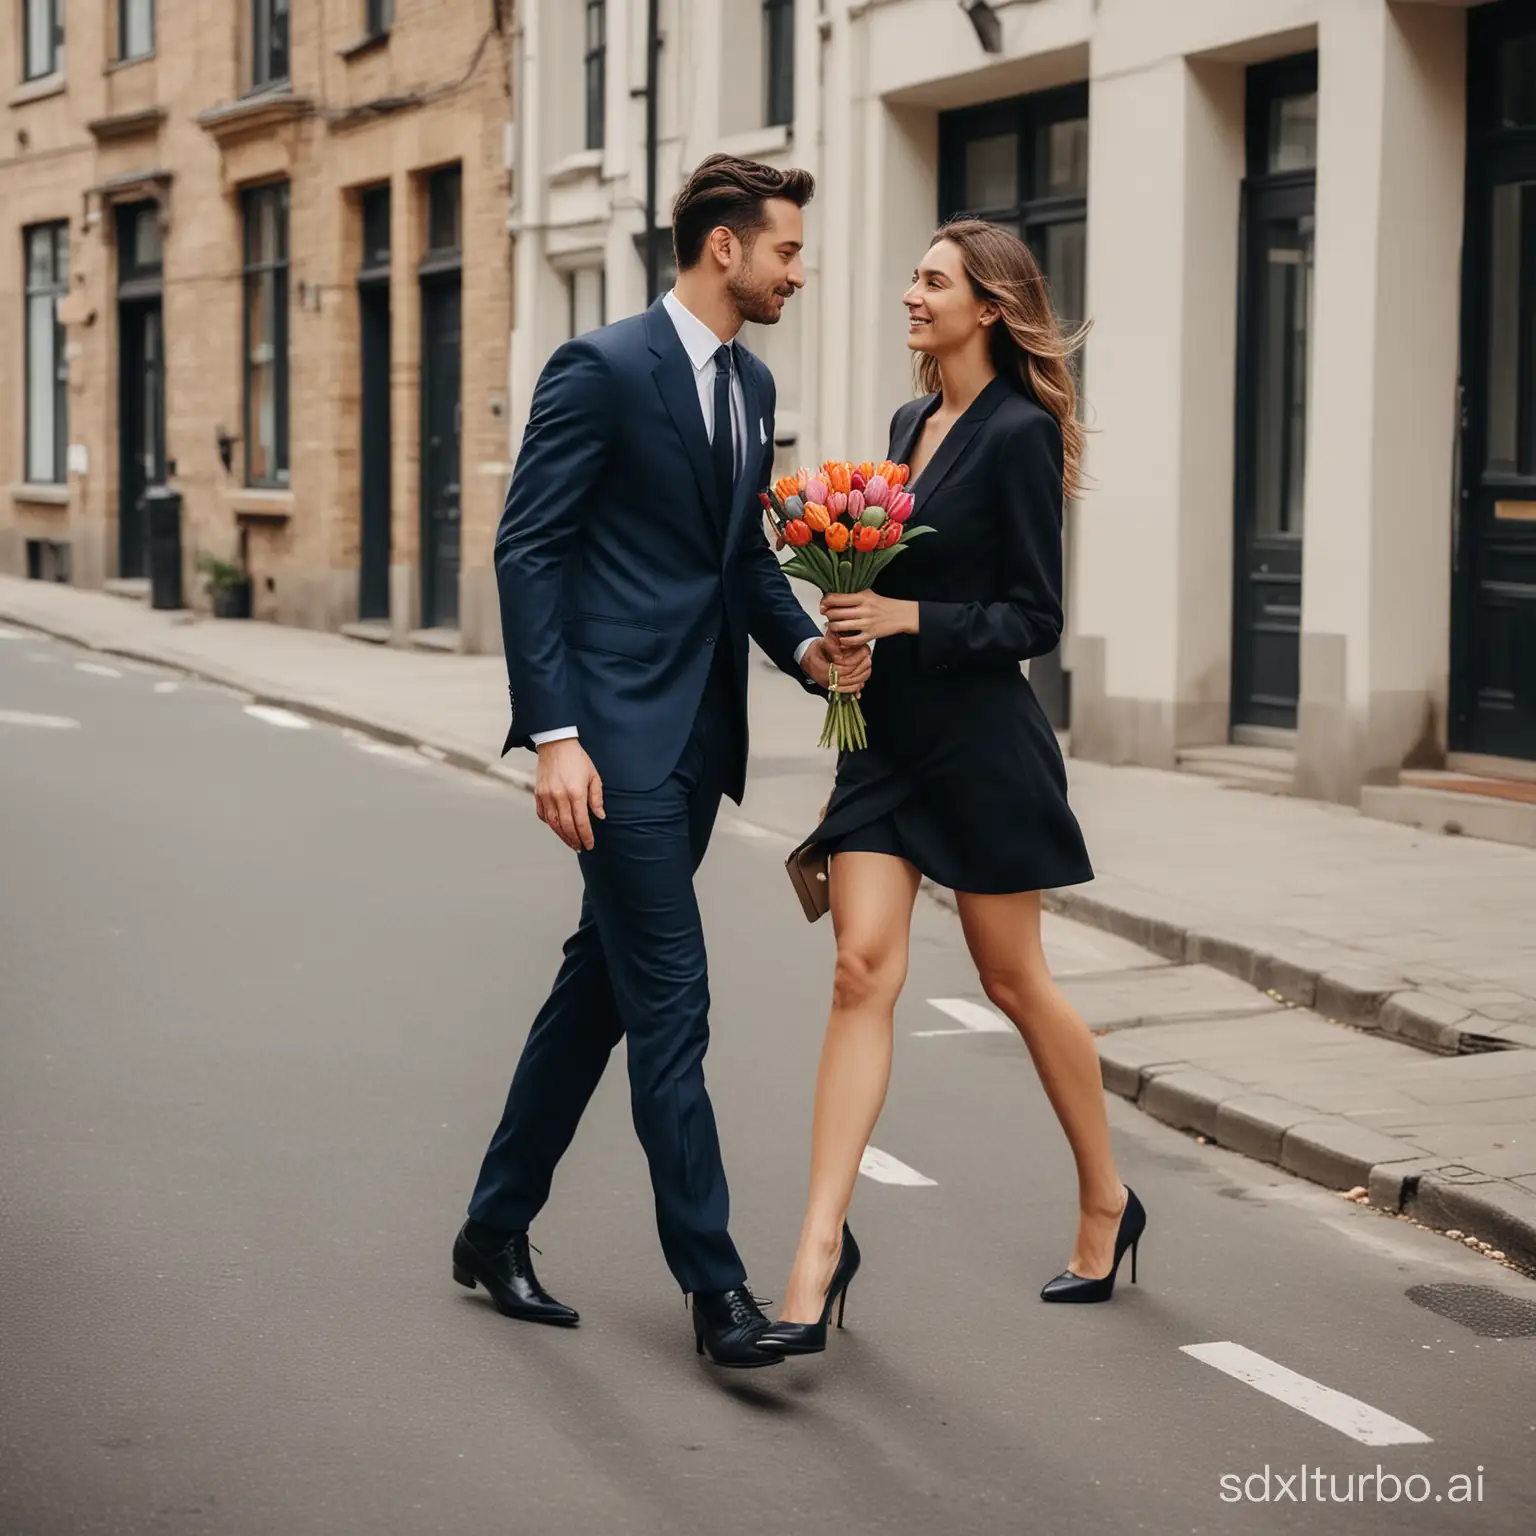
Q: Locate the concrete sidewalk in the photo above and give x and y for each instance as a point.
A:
(1423, 943)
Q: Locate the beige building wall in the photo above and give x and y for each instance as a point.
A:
(184, 125)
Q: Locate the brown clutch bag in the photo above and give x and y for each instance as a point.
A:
(808, 874)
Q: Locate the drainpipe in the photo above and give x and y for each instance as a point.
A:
(652, 51)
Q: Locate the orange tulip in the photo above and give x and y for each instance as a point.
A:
(797, 533)
(866, 539)
(867, 470)
(837, 536)
(839, 477)
(903, 474)
(785, 487)
(817, 518)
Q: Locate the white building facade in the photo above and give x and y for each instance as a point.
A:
(1305, 233)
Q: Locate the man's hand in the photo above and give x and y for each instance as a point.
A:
(852, 663)
(566, 787)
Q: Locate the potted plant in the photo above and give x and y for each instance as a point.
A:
(229, 587)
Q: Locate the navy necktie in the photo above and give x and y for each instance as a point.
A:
(722, 449)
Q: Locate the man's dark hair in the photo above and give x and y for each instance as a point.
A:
(730, 191)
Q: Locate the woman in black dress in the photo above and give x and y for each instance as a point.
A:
(962, 780)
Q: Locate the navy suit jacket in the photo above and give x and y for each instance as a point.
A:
(619, 572)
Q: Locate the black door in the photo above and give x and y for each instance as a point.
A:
(1494, 646)
(1275, 318)
(441, 353)
(373, 307)
(141, 380)
(441, 359)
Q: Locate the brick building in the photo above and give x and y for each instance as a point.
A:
(239, 249)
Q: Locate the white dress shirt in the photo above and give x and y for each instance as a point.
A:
(701, 344)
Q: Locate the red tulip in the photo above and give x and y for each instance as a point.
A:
(797, 533)
(889, 535)
(866, 540)
(856, 481)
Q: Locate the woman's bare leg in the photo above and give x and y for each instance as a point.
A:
(1003, 934)
(872, 896)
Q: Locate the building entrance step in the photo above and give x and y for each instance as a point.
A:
(1458, 804)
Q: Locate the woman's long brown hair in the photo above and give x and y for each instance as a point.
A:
(1028, 348)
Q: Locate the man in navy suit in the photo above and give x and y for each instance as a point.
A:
(633, 571)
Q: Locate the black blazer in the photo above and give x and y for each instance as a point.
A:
(619, 573)
(961, 756)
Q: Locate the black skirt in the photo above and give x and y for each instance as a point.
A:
(963, 778)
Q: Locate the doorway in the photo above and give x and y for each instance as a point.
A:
(375, 447)
(1493, 662)
(1274, 355)
(441, 415)
(141, 378)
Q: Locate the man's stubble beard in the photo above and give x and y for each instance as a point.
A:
(754, 301)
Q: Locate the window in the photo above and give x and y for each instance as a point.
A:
(269, 50)
(588, 289)
(135, 28)
(445, 210)
(779, 52)
(596, 70)
(43, 38)
(266, 336)
(1024, 164)
(381, 17)
(47, 255)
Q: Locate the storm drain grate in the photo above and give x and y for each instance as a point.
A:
(1488, 1312)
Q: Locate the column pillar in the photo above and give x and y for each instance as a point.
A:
(1382, 421)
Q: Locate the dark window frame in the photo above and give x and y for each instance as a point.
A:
(271, 43)
(380, 18)
(148, 52)
(595, 72)
(1026, 117)
(253, 273)
(778, 63)
(55, 24)
(57, 285)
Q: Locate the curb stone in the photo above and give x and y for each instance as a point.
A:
(1332, 1151)
(1348, 993)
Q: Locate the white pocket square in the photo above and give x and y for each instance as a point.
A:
(762, 432)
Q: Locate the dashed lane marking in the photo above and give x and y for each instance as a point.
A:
(885, 1169)
(96, 669)
(167, 687)
(285, 718)
(38, 722)
(972, 1017)
(1348, 1415)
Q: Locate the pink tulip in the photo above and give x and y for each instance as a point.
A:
(901, 505)
(877, 493)
(816, 490)
(837, 503)
(855, 505)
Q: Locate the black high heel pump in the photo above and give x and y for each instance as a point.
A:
(1069, 1287)
(811, 1338)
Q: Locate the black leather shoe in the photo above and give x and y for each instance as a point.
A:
(509, 1279)
(1081, 1288)
(726, 1325)
(811, 1338)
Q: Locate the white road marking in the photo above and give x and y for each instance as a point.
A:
(1348, 1415)
(280, 717)
(436, 754)
(885, 1169)
(96, 669)
(11, 634)
(166, 687)
(402, 755)
(975, 1019)
(40, 722)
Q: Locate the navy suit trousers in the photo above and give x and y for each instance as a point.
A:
(635, 967)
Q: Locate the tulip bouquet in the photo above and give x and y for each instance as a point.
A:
(845, 523)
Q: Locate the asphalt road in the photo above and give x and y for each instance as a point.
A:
(261, 988)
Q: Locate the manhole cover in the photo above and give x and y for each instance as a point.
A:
(1489, 1313)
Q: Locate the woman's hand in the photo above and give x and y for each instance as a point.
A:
(857, 618)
